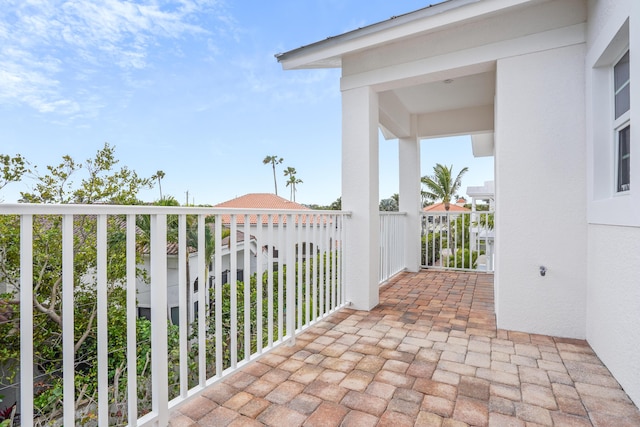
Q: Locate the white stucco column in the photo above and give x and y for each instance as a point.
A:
(360, 195)
(410, 200)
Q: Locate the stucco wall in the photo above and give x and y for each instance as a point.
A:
(613, 287)
(540, 196)
(613, 302)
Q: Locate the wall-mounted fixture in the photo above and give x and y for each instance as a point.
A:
(543, 270)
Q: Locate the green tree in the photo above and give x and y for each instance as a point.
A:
(292, 181)
(102, 183)
(388, 205)
(273, 160)
(336, 205)
(12, 169)
(441, 185)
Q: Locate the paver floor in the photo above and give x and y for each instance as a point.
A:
(428, 355)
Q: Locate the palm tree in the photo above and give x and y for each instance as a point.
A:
(273, 160)
(159, 175)
(388, 205)
(293, 181)
(441, 186)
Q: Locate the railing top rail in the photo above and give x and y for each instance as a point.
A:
(95, 209)
(392, 213)
(456, 213)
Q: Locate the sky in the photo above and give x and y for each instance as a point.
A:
(192, 88)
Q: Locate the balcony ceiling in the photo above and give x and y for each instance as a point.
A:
(463, 92)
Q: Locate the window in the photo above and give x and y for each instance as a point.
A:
(622, 127)
(144, 312)
(624, 157)
(621, 85)
(175, 315)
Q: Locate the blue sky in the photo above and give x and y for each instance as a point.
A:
(190, 87)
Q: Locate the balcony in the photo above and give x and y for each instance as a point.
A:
(289, 351)
(428, 355)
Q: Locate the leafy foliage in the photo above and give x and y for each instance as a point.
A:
(441, 185)
(462, 258)
(430, 248)
(102, 183)
(12, 168)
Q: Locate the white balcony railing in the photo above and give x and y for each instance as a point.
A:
(392, 244)
(85, 274)
(458, 240)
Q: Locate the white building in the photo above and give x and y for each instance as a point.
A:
(173, 296)
(255, 226)
(261, 226)
(543, 86)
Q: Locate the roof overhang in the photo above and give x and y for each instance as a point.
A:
(434, 70)
(328, 53)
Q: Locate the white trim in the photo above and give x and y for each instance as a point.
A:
(329, 52)
(463, 62)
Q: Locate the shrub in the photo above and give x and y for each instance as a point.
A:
(430, 248)
(463, 258)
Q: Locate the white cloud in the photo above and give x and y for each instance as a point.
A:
(49, 47)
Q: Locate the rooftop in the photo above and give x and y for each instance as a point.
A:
(429, 354)
(439, 207)
(258, 201)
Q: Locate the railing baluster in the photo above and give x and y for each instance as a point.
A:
(270, 280)
(233, 282)
(291, 278)
(159, 348)
(307, 273)
(299, 249)
(282, 254)
(316, 226)
(26, 319)
(203, 285)
(246, 278)
(183, 301)
(102, 337)
(343, 238)
(322, 260)
(68, 339)
(259, 272)
(132, 357)
(218, 295)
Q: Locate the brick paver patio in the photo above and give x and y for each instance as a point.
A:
(428, 355)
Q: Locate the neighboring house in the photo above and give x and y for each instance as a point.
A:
(262, 201)
(485, 193)
(543, 86)
(280, 206)
(144, 297)
(439, 208)
(482, 236)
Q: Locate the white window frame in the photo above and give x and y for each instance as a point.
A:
(619, 124)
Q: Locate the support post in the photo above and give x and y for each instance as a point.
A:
(360, 195)
(410, 200)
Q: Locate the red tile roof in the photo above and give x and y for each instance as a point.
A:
(439, 207)
(258, 201)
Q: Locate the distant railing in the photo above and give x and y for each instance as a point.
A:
(458, 240)
(392, 244)
(76, 282)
